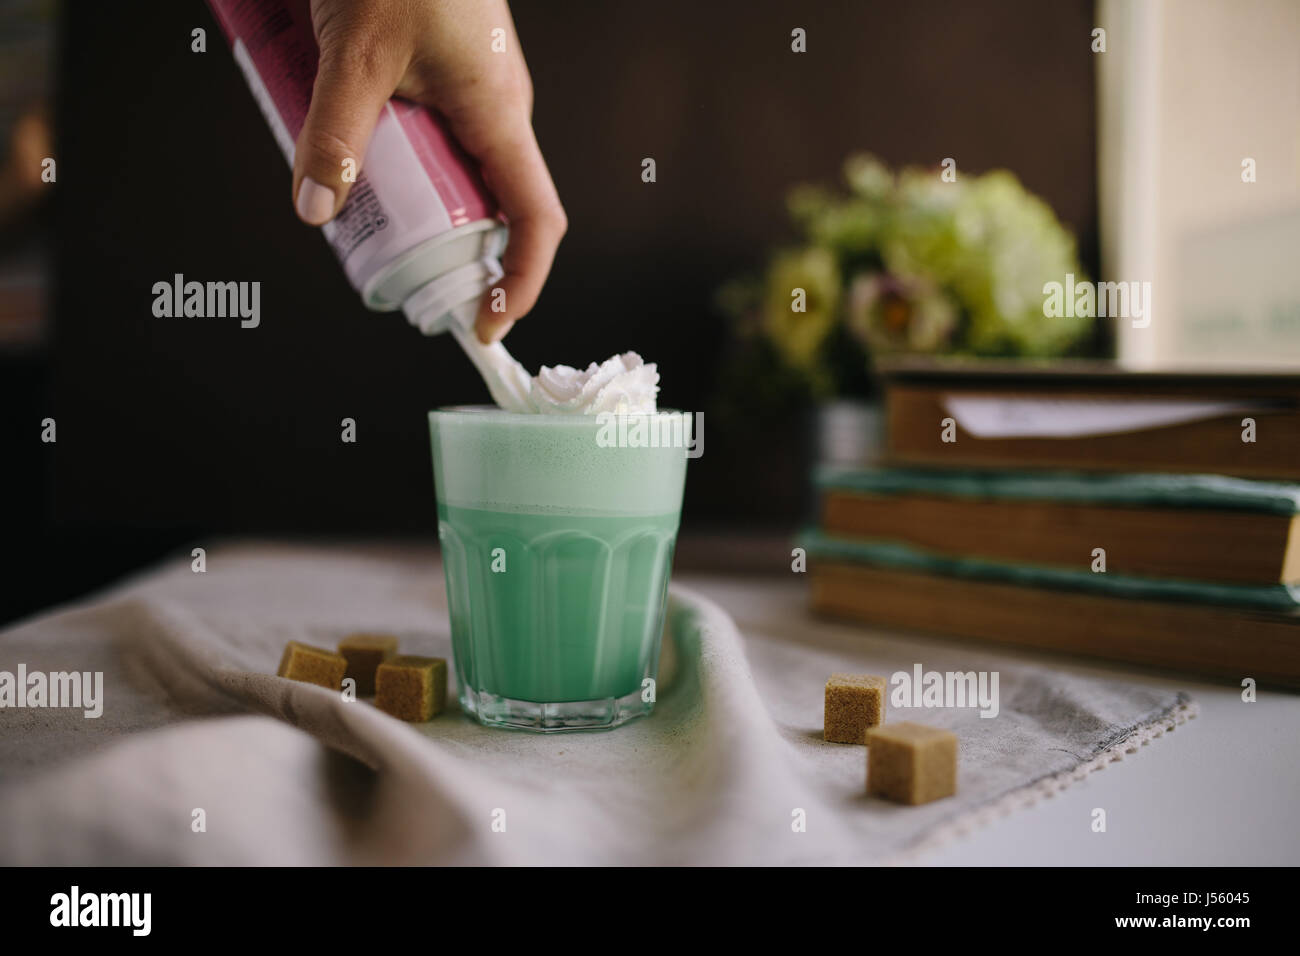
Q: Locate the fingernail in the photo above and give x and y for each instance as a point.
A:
(315, 202)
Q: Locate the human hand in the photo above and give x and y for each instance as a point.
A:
(439, 53)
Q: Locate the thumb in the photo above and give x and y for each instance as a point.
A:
(345, 106)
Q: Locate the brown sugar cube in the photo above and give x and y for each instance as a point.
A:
(364, 653)
(854, 704)
(911, 763)
(411, 688)
(312, 665)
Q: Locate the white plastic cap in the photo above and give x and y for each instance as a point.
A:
(452, 298)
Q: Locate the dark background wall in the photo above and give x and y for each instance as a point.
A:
(173, 428)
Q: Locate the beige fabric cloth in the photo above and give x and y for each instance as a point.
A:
(194, 719)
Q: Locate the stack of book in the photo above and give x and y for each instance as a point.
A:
(1149, 517)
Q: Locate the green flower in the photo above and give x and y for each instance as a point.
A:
(992, 245)
(1016, 245)
(798, 335)
(868, 177)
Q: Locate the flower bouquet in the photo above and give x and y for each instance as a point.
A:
(908, 262)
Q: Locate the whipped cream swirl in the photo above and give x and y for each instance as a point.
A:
(622, 385)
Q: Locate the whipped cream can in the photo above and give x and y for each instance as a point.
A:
(419, 230)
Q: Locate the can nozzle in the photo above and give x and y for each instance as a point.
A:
(452, 299)
(450, 304)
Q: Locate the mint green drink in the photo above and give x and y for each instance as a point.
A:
(557, 542)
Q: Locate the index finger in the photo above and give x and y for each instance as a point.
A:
(515, 172)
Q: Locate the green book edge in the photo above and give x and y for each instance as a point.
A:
(891, 554)
(1134, 489)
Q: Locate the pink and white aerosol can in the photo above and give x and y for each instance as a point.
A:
(419, 230)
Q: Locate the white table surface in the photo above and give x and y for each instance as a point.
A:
(1222, 789)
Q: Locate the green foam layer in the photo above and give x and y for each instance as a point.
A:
(555, 464)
